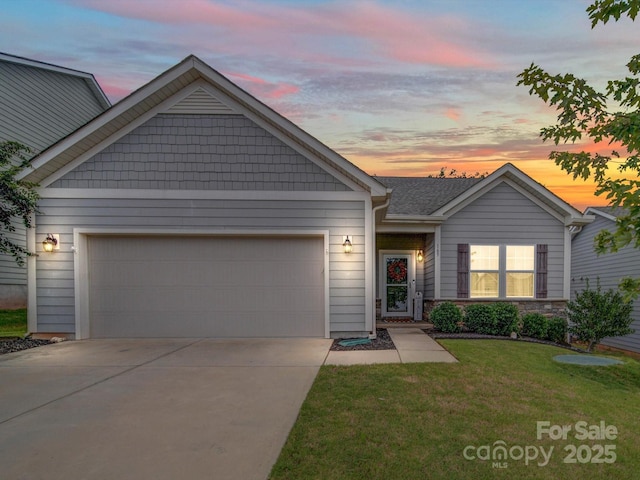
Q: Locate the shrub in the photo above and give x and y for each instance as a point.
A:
(480, 318)
(507, 317)
(595, 314)
(557, 331)
(445, 317)
(535, 325)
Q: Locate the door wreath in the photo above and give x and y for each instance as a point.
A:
(397, 271)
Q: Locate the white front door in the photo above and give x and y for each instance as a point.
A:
(397, 286)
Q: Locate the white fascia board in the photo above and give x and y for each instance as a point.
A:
(595, 211)
(507, 173)
(218, 90)
(141, 120)
(116, 193)
(109, 115)
(474, 194)
(276, 132)
(377, 189)
(580, 221)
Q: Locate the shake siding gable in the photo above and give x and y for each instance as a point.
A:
(610, 268)
(502, 216)
(200, 152)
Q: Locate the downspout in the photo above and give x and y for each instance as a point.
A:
(374, 276)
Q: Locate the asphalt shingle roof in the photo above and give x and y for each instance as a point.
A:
(613, 211)
(423, 195)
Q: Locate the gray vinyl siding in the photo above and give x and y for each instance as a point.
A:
(200, 152)
(429, 268)
(610, 268)
(38, 107)
(502, 216)
(10, 272)
(55, 272)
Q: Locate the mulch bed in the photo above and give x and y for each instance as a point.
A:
(471, 336)
(381, 342)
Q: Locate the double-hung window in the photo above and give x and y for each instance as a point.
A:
(502, 271)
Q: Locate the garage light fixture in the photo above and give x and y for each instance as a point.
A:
(50, 243)
(420, 256)
(346, 243)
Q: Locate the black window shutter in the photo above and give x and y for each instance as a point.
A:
(463, 270)
(541, 270)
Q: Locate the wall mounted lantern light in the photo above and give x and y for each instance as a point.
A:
(50, 243)
(346, 243)
(420, 256)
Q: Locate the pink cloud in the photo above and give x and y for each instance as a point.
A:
(112, 91)
(453, 114)
(172, 12)
(333, 32)
(264, 89)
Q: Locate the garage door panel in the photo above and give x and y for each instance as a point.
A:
(206, 286)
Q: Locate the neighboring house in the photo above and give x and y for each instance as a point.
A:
(192, 209)
(609, 268)
(39, 104)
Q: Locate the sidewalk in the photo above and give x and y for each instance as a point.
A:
(412, 346)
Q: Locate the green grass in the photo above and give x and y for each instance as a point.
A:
(413, 421)
(13, 323)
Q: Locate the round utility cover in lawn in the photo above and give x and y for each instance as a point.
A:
(586, 360)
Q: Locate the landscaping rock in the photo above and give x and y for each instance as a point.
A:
(17, 344)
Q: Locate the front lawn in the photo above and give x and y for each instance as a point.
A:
(13, 323)
(417, 421)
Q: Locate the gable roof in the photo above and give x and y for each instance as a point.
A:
(423, 195)
(175, 89)
(436, 199)
(41, 103)
(610, 213)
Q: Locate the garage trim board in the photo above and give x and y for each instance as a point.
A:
(83, 236)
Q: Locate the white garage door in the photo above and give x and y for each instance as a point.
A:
(206, 286)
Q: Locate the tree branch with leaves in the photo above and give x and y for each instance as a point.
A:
(18, 199)
(611, 116)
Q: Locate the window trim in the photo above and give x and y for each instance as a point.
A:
(502, 271)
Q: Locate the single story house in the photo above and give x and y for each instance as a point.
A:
(608, 268)
(190, 208)
(39, 104)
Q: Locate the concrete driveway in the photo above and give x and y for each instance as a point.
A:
(152, 408)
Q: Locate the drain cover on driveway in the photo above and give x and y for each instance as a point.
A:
(586, 360)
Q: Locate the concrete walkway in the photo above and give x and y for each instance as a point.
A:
(412, 345)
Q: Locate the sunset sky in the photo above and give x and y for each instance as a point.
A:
(397, 87)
